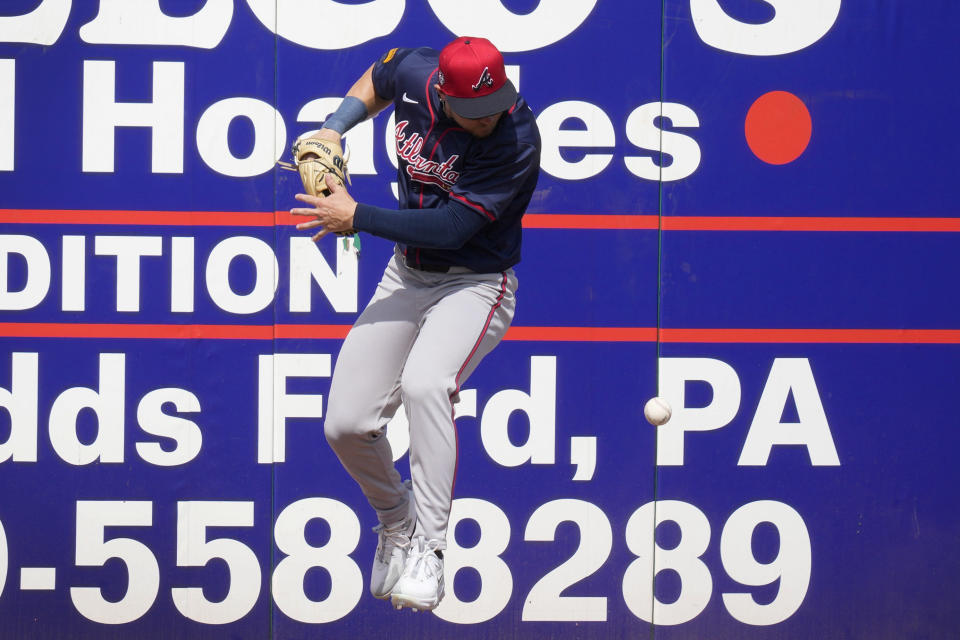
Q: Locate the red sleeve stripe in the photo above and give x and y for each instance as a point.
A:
(426, 95)
(475, 207)
(433, 117)
(436, 144)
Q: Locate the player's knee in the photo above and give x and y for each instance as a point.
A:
(419, 388)
(340, 426)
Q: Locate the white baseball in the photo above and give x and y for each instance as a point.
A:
(657, 411)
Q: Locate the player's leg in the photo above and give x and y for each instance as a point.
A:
(470, 316)
(465, 324)
(364, 394)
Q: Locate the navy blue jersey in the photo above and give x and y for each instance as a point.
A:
(494, 177)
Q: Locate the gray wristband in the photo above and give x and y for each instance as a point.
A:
(350, 113)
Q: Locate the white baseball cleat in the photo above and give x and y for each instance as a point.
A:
(421, 585)
(391, 556)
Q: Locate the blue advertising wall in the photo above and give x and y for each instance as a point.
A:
(745, 207)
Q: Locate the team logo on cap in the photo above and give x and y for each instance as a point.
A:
(485, 80)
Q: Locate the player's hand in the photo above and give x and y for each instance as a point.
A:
(333, 214)
(327, 134)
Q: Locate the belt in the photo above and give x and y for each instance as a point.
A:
(434, 268)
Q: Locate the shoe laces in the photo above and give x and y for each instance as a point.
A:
(423, 561)
(390, 538)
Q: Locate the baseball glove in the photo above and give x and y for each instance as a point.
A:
(314, 159)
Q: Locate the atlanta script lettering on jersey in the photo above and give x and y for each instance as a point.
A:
(418, 167)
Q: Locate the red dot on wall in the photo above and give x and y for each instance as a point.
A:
(778, 127)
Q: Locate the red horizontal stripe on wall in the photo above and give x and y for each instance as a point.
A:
(288, 331)
(156, 331)
(752, 223)
(283, 218)
(517, 334)
(138, 218)
(589, 221)
(582, 334)
(530, 221)
(315, 331)
(822, 336)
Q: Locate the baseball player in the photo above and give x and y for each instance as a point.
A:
(469, 158)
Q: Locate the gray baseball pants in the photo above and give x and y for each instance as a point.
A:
(417, 341)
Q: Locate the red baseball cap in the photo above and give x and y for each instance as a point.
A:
(473, 80)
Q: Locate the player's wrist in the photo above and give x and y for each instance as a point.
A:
(362, 216)
(351, 112)
(327, 134)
